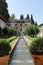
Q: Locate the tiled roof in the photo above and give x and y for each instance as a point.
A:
(41, 24)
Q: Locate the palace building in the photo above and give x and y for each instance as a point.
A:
(41, 30)
(20, 24)
(2, 22)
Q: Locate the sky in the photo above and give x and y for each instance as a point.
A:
(34, 7)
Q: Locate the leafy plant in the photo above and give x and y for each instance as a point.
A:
(12, 31)
(6, 31)
(36, 46)
(4, 47)
(9, 31)
(31, 30)
(11, 38)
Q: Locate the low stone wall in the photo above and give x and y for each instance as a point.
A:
(13, 44)
(28, 42)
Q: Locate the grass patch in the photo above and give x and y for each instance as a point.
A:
(31, 38)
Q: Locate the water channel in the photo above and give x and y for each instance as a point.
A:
(21, 54)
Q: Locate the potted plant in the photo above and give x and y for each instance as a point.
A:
(36, 49)
(4, 52)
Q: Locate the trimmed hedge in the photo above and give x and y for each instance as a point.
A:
(11, 38)
(7, 32)
(4, 47)
(32, 38)
(36, 47)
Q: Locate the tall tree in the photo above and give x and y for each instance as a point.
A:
(21, 17)
(36, 23)
(32, 19)
(12, 17)
(27, 16)
(31, 30)
(3, 10)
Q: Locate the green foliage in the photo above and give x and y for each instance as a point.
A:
(27, 16)
(36, 23)
(4, 47)
(2, 1)
(36, 47)
(36, 29)
(21, 17)
(11, 38)
(3, 10)
(12, 31)
(6, 30)
(12, 17)
(27, 30)
(31, 38)
(9, 31)
(31, 30)
(32, 19)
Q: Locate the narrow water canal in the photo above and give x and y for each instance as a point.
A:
(21, 54)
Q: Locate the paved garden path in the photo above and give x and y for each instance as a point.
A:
(21, 54)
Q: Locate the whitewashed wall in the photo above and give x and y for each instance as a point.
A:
(2, 23)
(41, 32)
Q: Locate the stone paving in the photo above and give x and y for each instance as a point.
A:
(21, 55)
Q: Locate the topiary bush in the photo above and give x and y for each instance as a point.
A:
(4, 47)
(36, 47)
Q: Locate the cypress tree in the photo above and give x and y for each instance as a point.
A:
(3, 10)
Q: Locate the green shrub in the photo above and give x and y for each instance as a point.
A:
(4, 47)
(32, 38)
(36, 46)
(11, 38)
(12, 31)
(36, 29)
(6, 32)
(9, 31)
(31, 30)
(27, 29)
